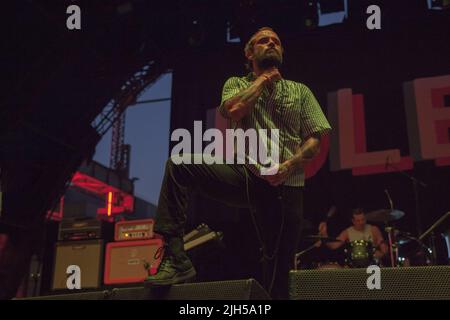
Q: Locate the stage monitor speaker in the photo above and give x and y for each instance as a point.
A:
(88, 255)
(409, 283)
(248, 289)
(75, 295)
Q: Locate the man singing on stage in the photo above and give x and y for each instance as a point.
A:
(260, 100)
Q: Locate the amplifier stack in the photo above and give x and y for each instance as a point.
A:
(133, 256)
(110, 254)
(80, 243)
(117, 254)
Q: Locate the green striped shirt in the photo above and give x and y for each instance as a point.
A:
(291, 107)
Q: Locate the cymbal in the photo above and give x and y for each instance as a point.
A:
(403, 241)
(384, 215)
(317, 237)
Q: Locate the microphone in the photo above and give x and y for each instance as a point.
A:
(389, 198)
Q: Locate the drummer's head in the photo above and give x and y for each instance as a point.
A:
(358, 219)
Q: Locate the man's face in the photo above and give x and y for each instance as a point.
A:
(267, 50)
(359, 221)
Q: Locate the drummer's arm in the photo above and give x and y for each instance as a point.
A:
(379, 242)
(343, 236)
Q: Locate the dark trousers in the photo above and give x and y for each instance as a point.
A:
(277, 210)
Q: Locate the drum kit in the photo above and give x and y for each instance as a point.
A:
(403, 249)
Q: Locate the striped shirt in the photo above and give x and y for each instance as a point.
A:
(291, 107)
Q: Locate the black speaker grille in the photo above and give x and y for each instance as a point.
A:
(248, 289)
(412, 283)
(95, 295)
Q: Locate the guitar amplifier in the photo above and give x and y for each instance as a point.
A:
(86, 254)
(84, 229)
(134, 230)
(131, 261)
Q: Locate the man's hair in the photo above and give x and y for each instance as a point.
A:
(357, 211)
(250, 43)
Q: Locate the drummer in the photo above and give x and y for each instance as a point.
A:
(360, 230)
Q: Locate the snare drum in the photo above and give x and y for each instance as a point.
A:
(359, 254)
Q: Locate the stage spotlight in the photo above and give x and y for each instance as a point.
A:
(438, 4)
(232, 36)
(332, 11)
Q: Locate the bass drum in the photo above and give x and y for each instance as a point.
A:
(330, 259)
(359, 254)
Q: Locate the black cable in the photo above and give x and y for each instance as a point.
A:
(274, 255)
(281, 198)
(258, 234)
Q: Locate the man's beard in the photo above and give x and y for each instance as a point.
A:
(269, 61)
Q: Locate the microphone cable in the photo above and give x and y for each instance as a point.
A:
(265, 256)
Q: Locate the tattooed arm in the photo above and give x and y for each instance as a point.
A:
(241, 104)
(306, 152)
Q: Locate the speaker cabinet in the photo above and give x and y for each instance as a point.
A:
(88, 255)
(411, 283)
(248, 289)
(88, 295)
(126, 261)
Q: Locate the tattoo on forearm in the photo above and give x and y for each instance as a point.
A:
(249, 95)
(310, 148)
(246, 98)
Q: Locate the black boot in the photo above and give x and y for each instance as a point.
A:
(175, 267)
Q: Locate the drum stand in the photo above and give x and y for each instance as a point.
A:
(299, 254)
(415, 184)
(393, 247)
(430, 231)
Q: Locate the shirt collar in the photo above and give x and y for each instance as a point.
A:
(251, 76)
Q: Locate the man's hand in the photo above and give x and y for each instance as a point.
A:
(323, 229)
(283, 172)
(271, 76)
(322, 232)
